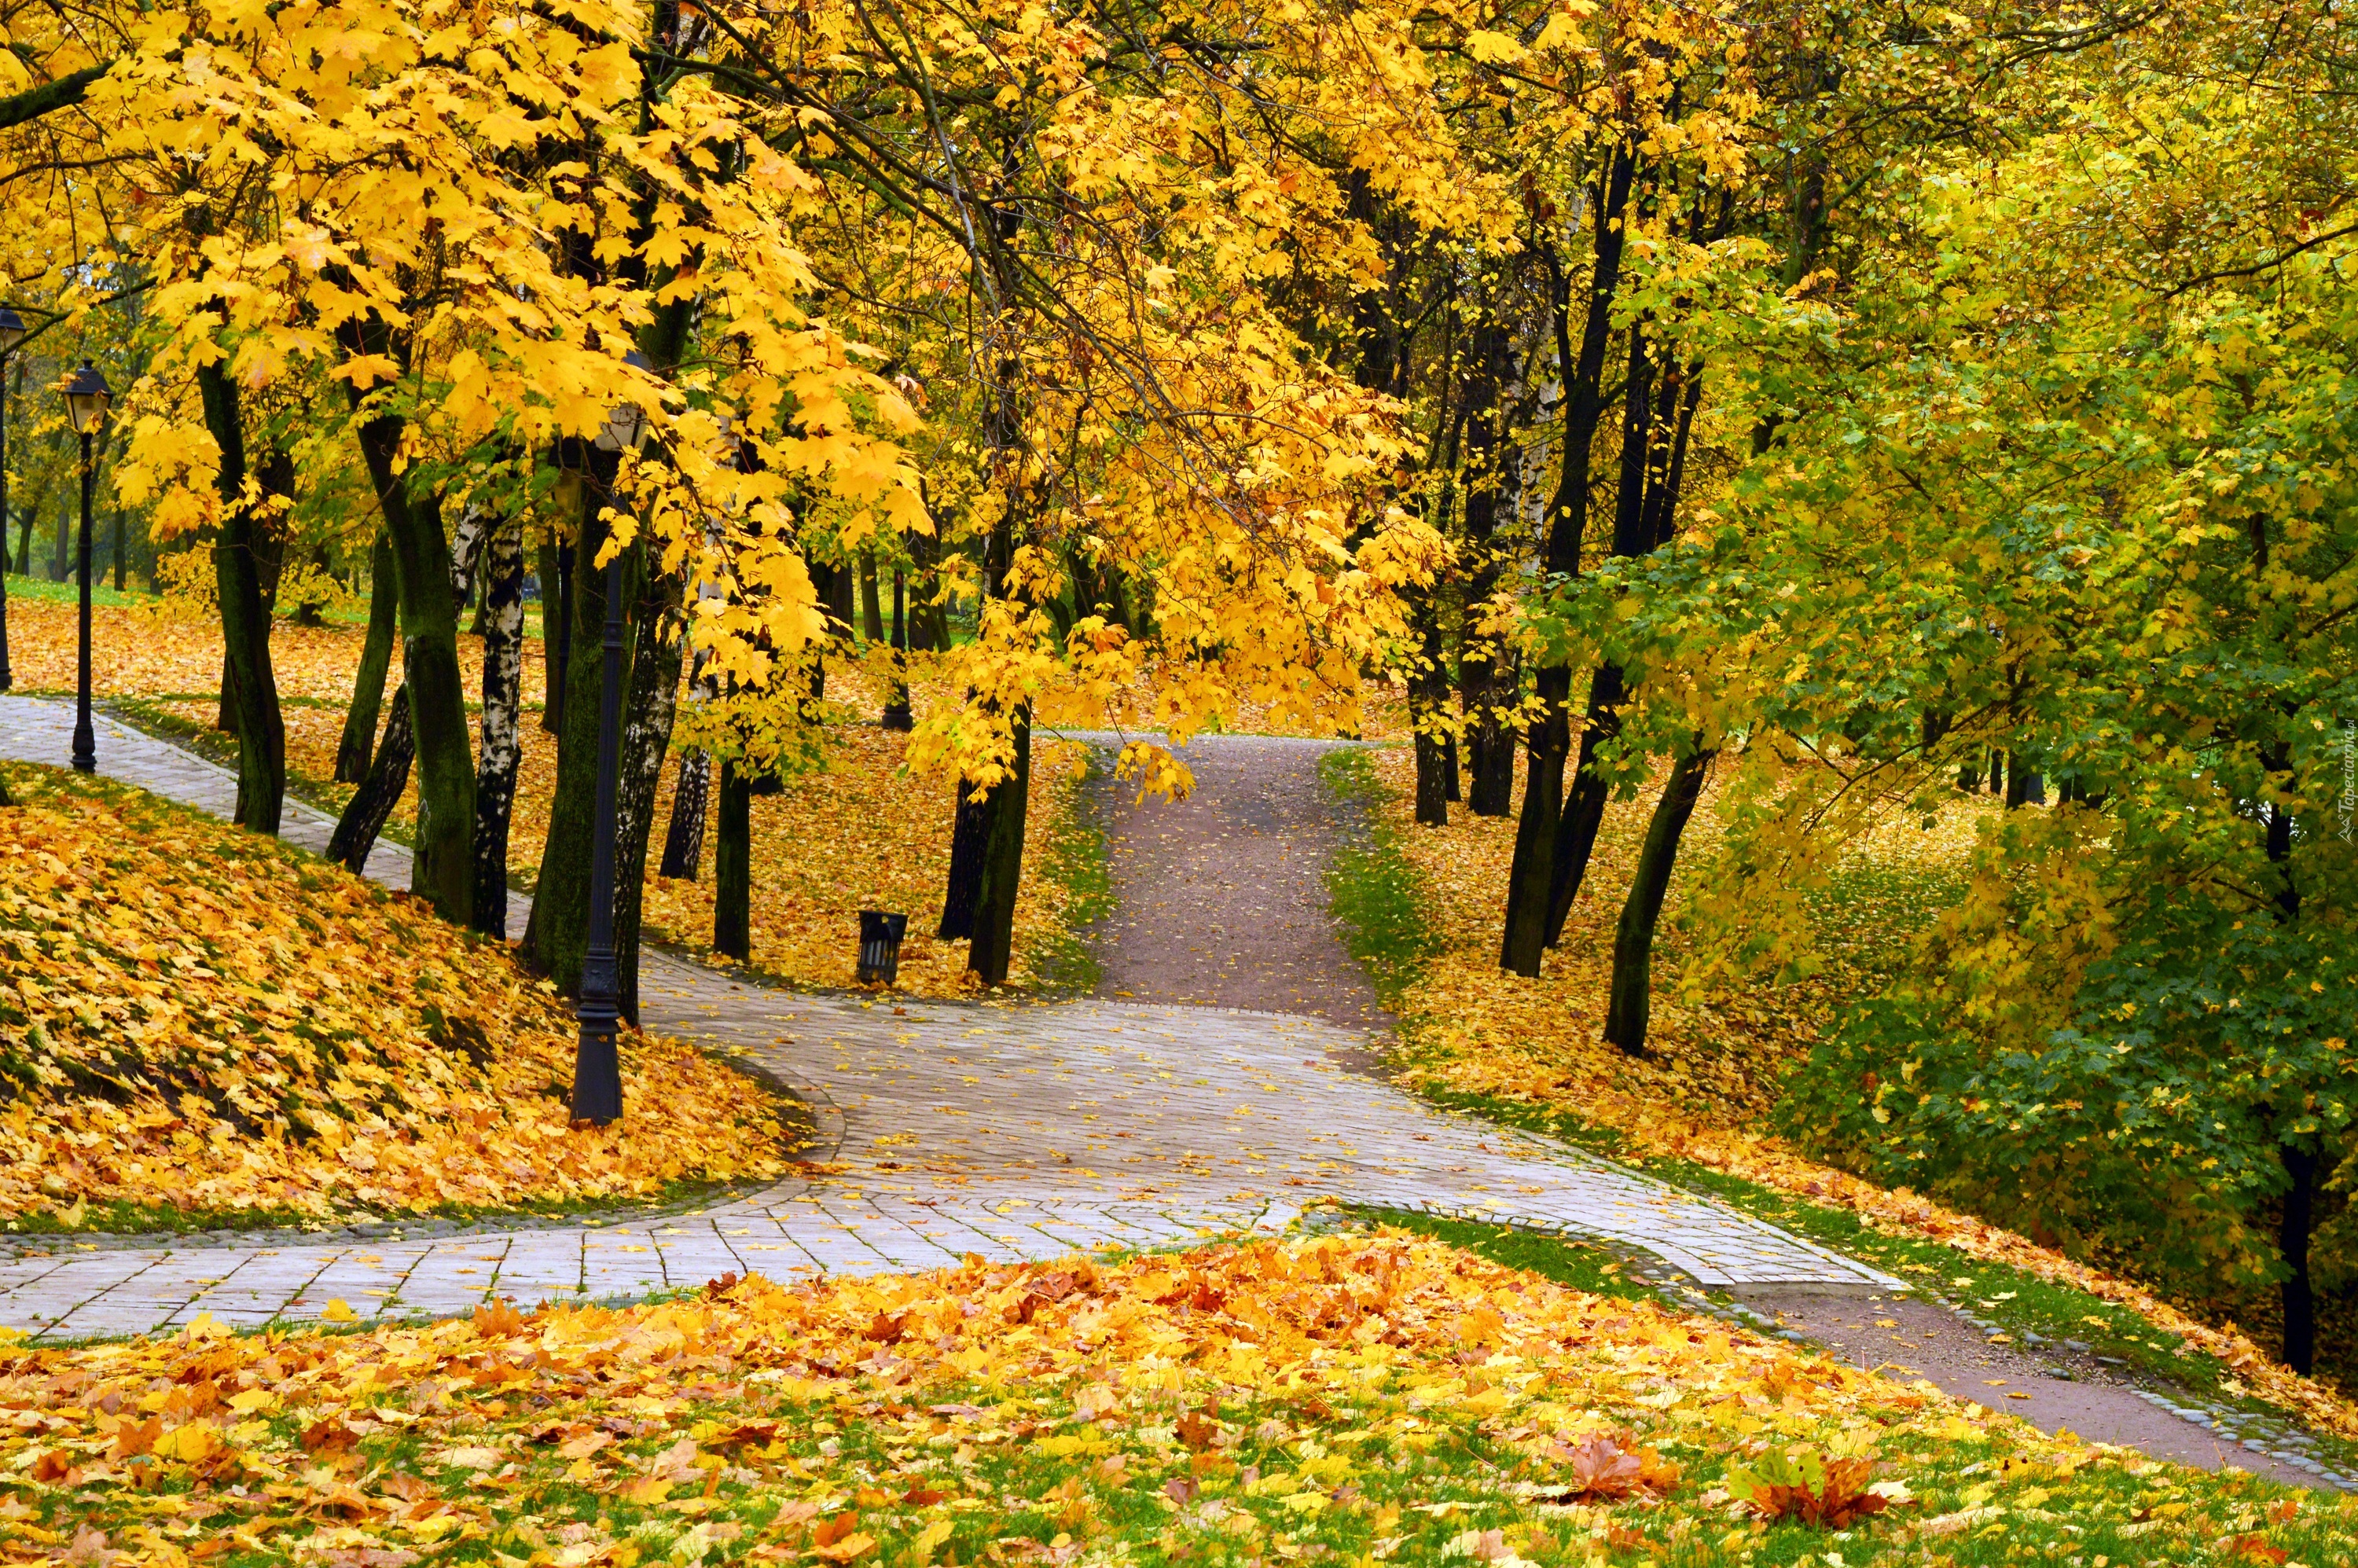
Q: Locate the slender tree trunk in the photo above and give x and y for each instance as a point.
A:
(559, 925)
(495, 769)
(1451, 790)
(1550, 737)
(650, 705)
(239, 570)
(1428, 689)
(929, 619)
(898, 715)
(2018, 782)
(1997, 771)
(732, 867)
(872, 608)
(683, 853)
(556, 628)
(1631, 1007)
(1489, 747)
(1003, 868)
(969, 837)
(352, 752)
(2296, 1293)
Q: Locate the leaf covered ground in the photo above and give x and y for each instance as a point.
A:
(855, 834)
(1363, 1398)
(187, 1009)
(1498, 1044)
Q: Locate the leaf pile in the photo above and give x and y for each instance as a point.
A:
(188, 1009)
(1374, 1396)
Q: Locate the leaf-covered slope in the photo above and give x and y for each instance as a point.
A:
(194, 1015)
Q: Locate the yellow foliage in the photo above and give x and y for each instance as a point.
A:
(188, 1009)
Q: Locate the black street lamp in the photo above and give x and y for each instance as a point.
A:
(87, 397)
(12, 332)
(596, 1072)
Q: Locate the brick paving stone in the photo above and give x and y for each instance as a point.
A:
(1015, 1131)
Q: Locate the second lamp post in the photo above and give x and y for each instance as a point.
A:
(597, 1070)
(87, 397)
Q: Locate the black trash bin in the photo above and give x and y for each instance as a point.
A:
(879, 946)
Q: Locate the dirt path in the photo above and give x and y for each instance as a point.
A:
(1222, 897)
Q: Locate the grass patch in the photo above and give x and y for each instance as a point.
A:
(1073, 857)
(69, 592)
(1578, 1265)
(1371, 887)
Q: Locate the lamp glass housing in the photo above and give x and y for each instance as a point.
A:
(12, 329)
(88, 398)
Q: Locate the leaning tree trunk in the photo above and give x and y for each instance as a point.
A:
(1583, 807)
(650, 705)
(251, 686)
(371, 806)
(1003, 865)
(1631, 1007)
(352, 752)
(495, 767)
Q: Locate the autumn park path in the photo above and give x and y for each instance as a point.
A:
(1012, 1130)
(1221, 898)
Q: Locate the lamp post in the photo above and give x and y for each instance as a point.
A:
(87, 397)
(596, 1073)
(12, 332)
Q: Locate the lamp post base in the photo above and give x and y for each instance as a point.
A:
(597, 1074)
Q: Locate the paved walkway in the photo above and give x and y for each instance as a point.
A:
(1007, 1129)
(1221, 897)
